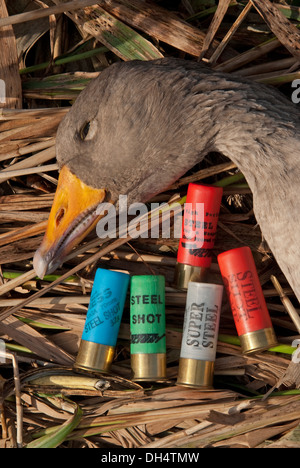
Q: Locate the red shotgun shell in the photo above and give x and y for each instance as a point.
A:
(199, 227)
(248, 305)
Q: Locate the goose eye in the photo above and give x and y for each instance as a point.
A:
(84, 130)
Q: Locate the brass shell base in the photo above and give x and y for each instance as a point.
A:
(259, 340)
(94, 356)
(186, 273)
(196, 374)
(148, 367)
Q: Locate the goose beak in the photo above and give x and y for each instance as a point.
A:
(73, 215)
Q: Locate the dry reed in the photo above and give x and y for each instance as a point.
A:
(255, 402)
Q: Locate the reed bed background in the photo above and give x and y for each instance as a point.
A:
(50, 50)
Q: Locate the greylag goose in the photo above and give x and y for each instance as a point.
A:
(140, 126)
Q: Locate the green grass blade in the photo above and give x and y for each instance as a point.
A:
(124, 41)
(291, 12)
(37, 324)
(279, 80)
(229, 180)
(64, 60)
(234, 340)
(15, 274)
(58, 434)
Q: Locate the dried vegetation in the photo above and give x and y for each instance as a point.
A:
(49, 52)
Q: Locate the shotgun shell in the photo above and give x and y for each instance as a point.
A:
(200, 335)
(99, 337)
(250, 313)
(148, 328)
(199, 226)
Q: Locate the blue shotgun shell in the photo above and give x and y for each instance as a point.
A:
(106, 307)
(103, 319)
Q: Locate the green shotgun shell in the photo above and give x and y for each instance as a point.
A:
(148, 328)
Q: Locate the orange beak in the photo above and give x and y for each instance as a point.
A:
(72, 217)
